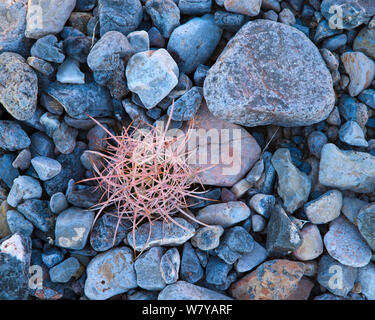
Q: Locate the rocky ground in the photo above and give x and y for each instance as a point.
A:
(296, 77)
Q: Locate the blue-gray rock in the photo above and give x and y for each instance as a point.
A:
(148, 271)
(77, 47)
(366, 278)
(7, 172)
(252, 259)
(52, 257)
(45, 167)
(207, 238)
(229, 21)
(69, 72)
(352, 134)
(41, 145)
(250, 7)
(64, 271)
(217, 271)
(72, 228)
(200, 74)
(193, 7)
(202, 256)
(136, 113)
(156, 39)
(139, 40)
(286, 16)
(271, 15)
(110, 273)
(12, 137)
(164, 14)
(335, 42)
(365, 222)
(85, 197)
(272, 5)
(40, 65)
(38, 213)
(262, 204)
(351, 207)
(17, 223)
(121, 16)
(202, 34)
(47, 48)
(50, 123)
(186, 106)
(85, 5)
(24, 188)
(58, 202)
(22, 161)
(210, 195)
(316, 140)
(143, 295)
(330, 59)
(368, 97)
(365, 42)
(170, 265)
(258, 223)
(323, 31)
(191, 269)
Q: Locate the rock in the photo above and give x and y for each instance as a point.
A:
(217, 271)
(37, 212)
(224, 214)
(182, 290)
(64, 271)
(186, 106)
(41, 145)
(262, 204)
(85, 197)
(312, 243)
(202, 34)
(325, 208)
(350, 208)
(81, 100)
(143, 295)
(365, 42)
(46, 168)
(258, 223)
(366, 278)
(293, 185)
(345, 244)
(250, 260)
(368, 97)
(136, 113)
(164, 14)
(64, 138)
(272, 280)
(289, 86)
(286, 16)
(18, 86)
(7, 172)
(17, 223)
(12, 137)
(283, 236)
(47, 48)
(303, 290)
(24, 188)
(139, 41)
(192, 7)
(77, 47)
(15, 256)
(347, 170)
(110, 273)
(360, 69)
(336, 277)
(47, 17)
(52, 257)
(161, 234)
(69, 72)
(22, 161)
(170, 265)
(211, 196)
(352, 134)
(191, 270)
(366, 225)
(316, 141)
(335, 42)
(50, 122)
(156, 39)
(119, 16)
(147, 268)
(250, 8)
(330, 59)
(207, 238)
(72, 228)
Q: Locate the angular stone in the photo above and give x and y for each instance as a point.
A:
(69, 72)
(262, 204)
(48, 48)
(12, 137)
(312, 243)
(37, 212)
(217, 271)
(64, 271)
(351, 207)
(366, 278)
(17, 223)
(207, 238)
(191, 270)
(170, 265)
(250, 260)
(46, 168)
(64, 138)
(365, 42)
(187, 106)
(24, 188)
(352, 134)
(365, 221)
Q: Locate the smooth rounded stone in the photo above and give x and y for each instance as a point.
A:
(217, 271)
(47, 17)
(96, 137)
(233, 166)
(72, 228)
(224, 214)
(24, 188)
(84, 197)
(108, 51)
(272, 280)
(46, 168)
(12, 137)
(352, 134)
(229, 21)
(262, 204)
(17, 223)
(64, 138)
(86, 124)
(186, 106)
(110, 273)
(256, 172)
(15, 256)
(40, 65)
(107, 232)
(38, 213)
(347, 170)
(124, 17)
(336, 277)
(345, 244)
(139, 41)
(156, 39)
(316, 140)
(294, 186)
(207, 238)
(258, 223)
(22, 161)
(334, 118)
(193, 7)
(170, 265)
(283, 236)
(64, 271)
(4, 228)
(48, 48)
(202, 34)
(209, 197)
(351, 207)
(88, 159)
(366, 278)
(335, 42)
(325, 208)
(152, 75)
(360, 69)
(18, 86)
(365, 222)
(250, 260)
(69, 72)
(368, 97)
(164, 14)
(81, 100)
(247, 7)
(365, 42)
(330, 59)
(298, 90)
(161, 234)
(58, 203)
(52, 256)
(191, 269)
(147, 268)
(312, 243)
(7, 172)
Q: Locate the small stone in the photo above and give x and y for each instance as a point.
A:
(69, 72)
(351, 207)
(136, 113)
(312, 243)
(52, 257)
(211, 196)
(316, 141)
(345, 244)
(256, 172)
(186, 106)
(352, 134)
(334, 117)
(7, 172)
(41, 145)
(335, 42)
(286, 16)
(12, 137)
(207, 238)
(156, 39)
(47, 48)
(229, 21)
(366, 225)
(191, 269)
(139, 41)
(77, 47)
(58, 203)
(240, 188)
(217, 271)
(330, 59)
(64, 271)
(17, 223)
(192, 7)
(250, 260)
(258, 223)
(365, 42)
(303, 290)
(46, 168)
(248, 7)
(170, 265)
(262, 204)
(143, 295)
(37, 212)
(24, 188)
(366, 278)
(22, 161)
(368, 97)
(325, 208)
(64, 138)
(40, 65)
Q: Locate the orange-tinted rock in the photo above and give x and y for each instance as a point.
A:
(303, 290)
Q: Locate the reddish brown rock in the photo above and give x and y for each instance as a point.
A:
(303, 290)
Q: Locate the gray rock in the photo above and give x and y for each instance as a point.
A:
(298, 90)
(229, 21)
(366, 225)
(170, 265)
(293, 185)
(347, 170)
(256, 172)
(286, 16)
(250, 260)
(351, 206)
(352, 134)
(52, 256)
(41, 145)
(187, 106)
(193, 7)
(64, 138)
(345, 244)
(366, 278)
(312, 243)
(258, 223)
(316, 141)
(50, 123)
(78, 47)
(365, 42)
(37, 212)
(110, 273)
(17, 223)
(69, 72)
(58, 203)
(18, 86)
(136, 113)
(200, 74)
(47, 48)
(24, 188)
(207, 238)
(330, 59)
(46, 168)
(217, 271)
(139, 40)
(22, 161)
(249, 7)
(7, 172)
(191, 269)
(72, 228)
(12, 137)
(64, 271)
(262, 204)
(334, 117)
